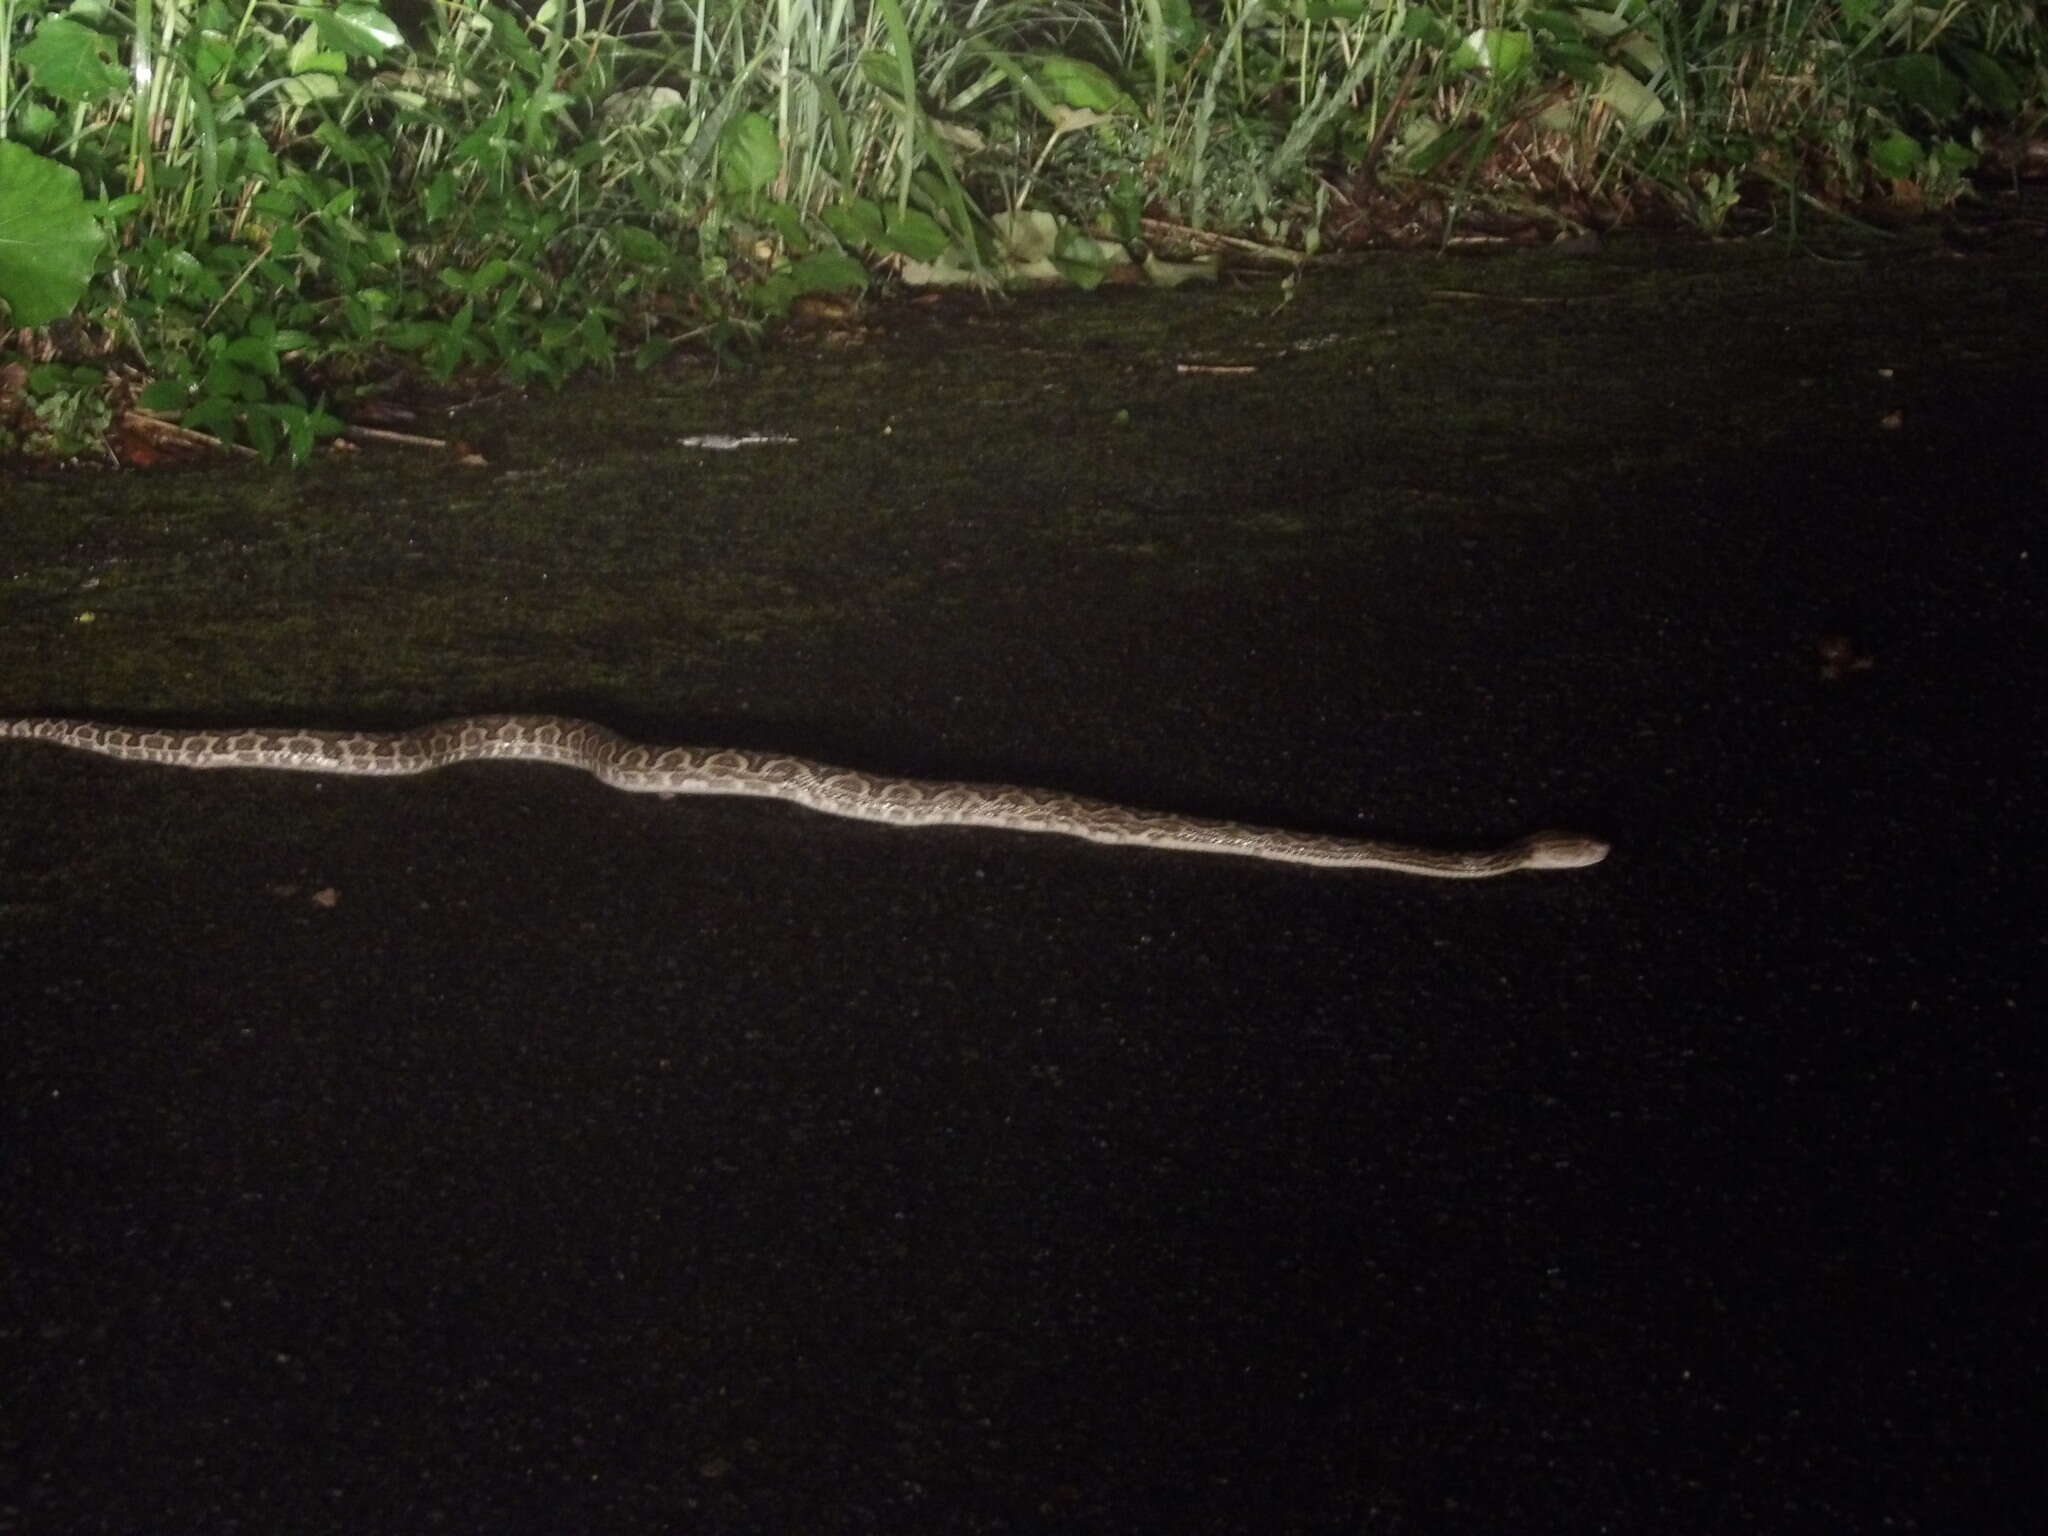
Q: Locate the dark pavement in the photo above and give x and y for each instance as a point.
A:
(494, 1152)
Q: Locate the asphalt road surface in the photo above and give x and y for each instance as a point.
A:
(494, 1152)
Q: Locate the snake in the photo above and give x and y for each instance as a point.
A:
(629, 765)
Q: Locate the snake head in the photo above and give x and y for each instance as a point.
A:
(1560, 850)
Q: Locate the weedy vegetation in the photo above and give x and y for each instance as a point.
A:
(246, 214)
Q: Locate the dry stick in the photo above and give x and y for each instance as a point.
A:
(162, 429)
(149, 424)
(1209, 240)
(386, 435)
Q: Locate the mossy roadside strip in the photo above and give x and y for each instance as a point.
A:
(592, 556)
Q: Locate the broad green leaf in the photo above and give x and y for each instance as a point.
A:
(1989, 80)
(1644, 53)
(879, 67)
(48, 241)
(916, 235)
(410, 335)
(857, 221)
(252, 352)
(189, 275)
(1598, 23)
(774, 294)
(748, 156)
(1027, 234)
(1957, 157)
(307, 55)
(71, 62)
(1178, 19)
(1078, 83)
(1897, 155)
(1127, 205)
(305, 90)
(440, 197)
(829, 272)
(212, 413)
(166, 394)
(1577, 60)
(1922, 80)
(299, 429)
(1633, 102)
(261, 430)
(224, 381)
(1503, 51)
(1082, 259)
(641, 247)
(1008, 66)
(1420, 26)
(1555, 23)
(1512, 51)
(361, 31)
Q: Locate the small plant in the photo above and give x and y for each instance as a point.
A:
(56, 412)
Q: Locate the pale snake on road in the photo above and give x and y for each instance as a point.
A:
(629, 765)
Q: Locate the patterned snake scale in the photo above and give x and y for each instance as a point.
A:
(628, 765)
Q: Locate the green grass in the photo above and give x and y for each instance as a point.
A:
(244, 212)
